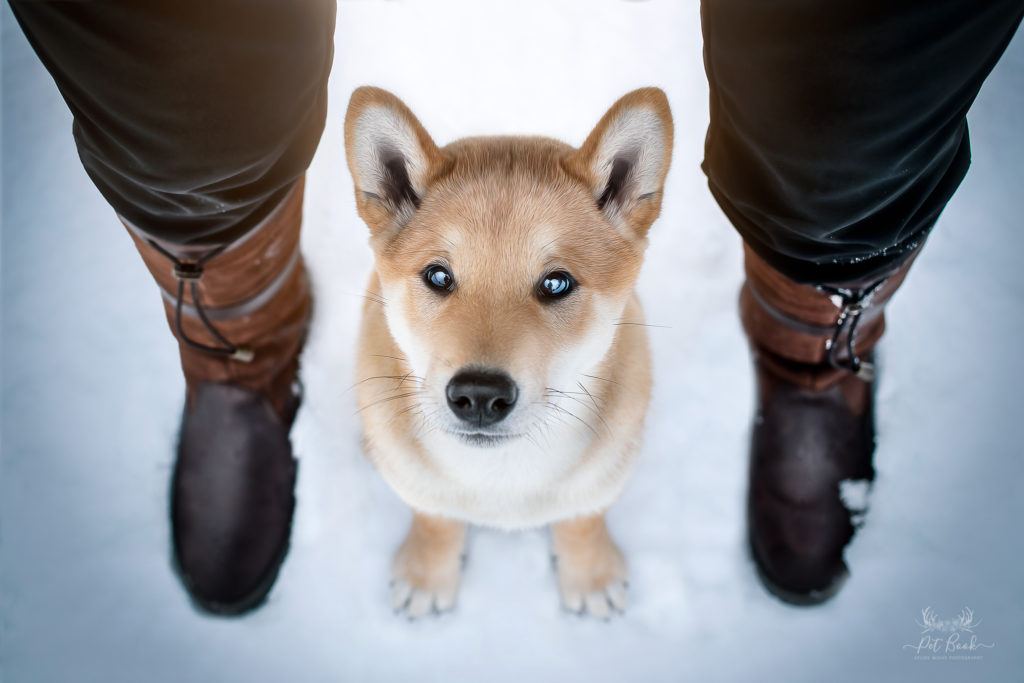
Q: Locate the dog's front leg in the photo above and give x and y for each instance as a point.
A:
(426, 569)
(591, 570)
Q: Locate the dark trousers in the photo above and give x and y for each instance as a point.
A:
(838, 127)
(193, 118)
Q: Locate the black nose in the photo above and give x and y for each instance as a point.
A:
(481, 397)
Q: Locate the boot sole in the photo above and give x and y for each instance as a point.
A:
(247, 603)
(790, 596)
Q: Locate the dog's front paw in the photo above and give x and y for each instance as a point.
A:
(426, 569)
(592, 576)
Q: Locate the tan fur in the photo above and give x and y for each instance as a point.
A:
(501, 212)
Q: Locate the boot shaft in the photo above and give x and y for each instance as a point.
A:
(813, 336)
(240, 311)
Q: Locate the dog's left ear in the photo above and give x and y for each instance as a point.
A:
(625, 159)
(392, 159)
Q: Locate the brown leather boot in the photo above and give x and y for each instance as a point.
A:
(813, 436)
(240, 313)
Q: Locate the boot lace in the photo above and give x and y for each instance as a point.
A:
(191, 272)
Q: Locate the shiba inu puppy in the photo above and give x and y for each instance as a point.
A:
(503, 369)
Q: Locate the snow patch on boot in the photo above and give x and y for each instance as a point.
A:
(855, 494)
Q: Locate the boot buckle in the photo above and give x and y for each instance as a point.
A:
(852, 303)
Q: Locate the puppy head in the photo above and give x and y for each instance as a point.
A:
(505, 262)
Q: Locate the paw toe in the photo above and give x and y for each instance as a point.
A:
(401, 591)
(597, 605)
(572, 601)
(444, 601)
(618, 596)
(420, 604)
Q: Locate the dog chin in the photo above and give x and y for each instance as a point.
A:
(483, 439)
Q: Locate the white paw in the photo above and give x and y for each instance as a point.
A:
(424, 582)
(598, 603)
(418, 602)
(594, 585)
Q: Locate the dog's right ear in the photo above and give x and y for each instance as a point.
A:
(391, 157)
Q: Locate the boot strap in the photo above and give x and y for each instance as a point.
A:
(188, 268)
(853, 304)
(247, 307)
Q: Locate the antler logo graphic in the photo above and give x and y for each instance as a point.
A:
(930, 622)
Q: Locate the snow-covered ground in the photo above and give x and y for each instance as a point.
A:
(92, 396)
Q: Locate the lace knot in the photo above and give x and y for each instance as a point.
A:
(191, 272)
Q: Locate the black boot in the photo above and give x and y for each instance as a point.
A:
(240, 313)
(813, 437)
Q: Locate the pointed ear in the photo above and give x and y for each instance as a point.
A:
(391, 157)
(625, 159)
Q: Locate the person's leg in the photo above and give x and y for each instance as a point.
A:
(196, 122)
(838, 134)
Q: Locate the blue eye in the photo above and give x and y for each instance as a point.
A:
(556, 285)
(438, 278)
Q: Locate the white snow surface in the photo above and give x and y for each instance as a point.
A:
(92, 398)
